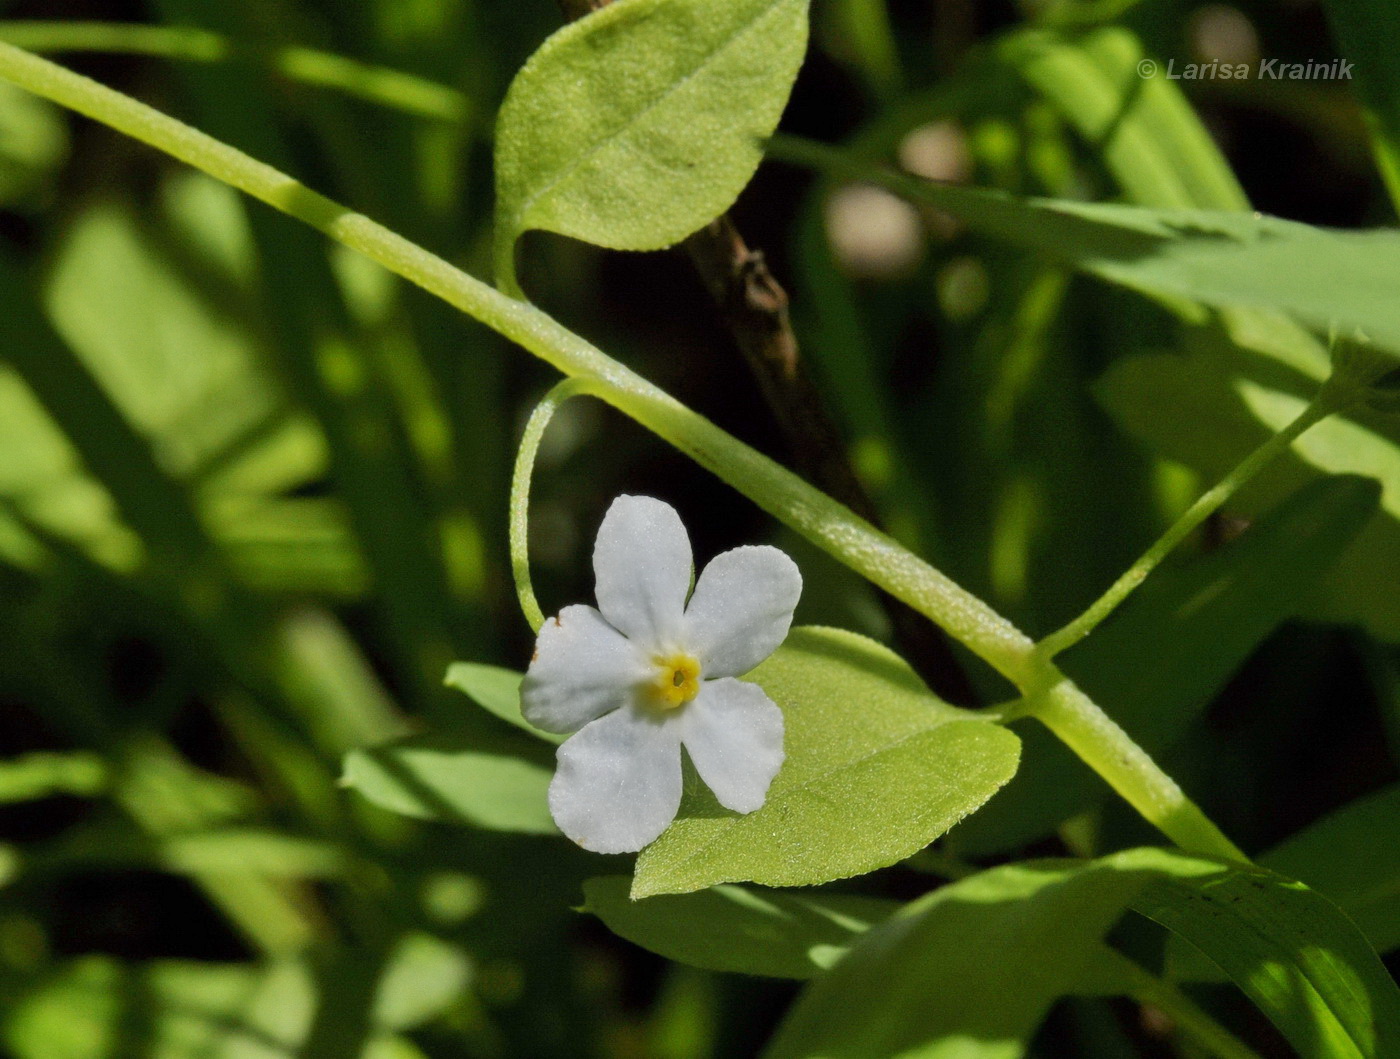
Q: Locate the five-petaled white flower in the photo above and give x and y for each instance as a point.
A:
(648, 673)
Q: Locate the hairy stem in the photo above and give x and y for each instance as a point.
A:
(1079, 722)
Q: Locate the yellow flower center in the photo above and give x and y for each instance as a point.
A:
(677, 680)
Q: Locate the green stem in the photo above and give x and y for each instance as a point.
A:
(376, 84)
(828, 524)
(1079, 722)
(520, 495)
(1206, 505)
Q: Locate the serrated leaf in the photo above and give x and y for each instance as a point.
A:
(877, 767)
(497, 691)
(635, 126)
(739, 929)
(1159, 661)
(436, 778)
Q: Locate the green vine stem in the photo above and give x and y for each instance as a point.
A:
(1098, 740)
(1327, 401)
(535, 427)
(375, 84)
(777, 490)
(828, 524)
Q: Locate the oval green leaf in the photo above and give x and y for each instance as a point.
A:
(436, 779)
(968, 971)
(497, 691)
(642, 122)
(876, 769)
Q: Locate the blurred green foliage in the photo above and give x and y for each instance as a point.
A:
(253, 504)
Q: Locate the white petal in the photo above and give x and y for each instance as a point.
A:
(642, 563)
(619, 780)
(734, 734)
(582, 669)
(742, 609)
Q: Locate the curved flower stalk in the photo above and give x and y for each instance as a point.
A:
(648, 673)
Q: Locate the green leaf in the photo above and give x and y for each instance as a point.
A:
(1142, 130)
(1320, 277)
(1296, 955)
(187, 1009)
(33, 142)
(1352, 857)
(1236, 401)
(963, 971)
(91, 1007)
(497, 691)
(1161, 659)
(40, 775)
(181, 370)
(42, 476)
(637, 125)
(1369, 36)
(736, 928)
(435, 778)
(969, 970)
(876, 769)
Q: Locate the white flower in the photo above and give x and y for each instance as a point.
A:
(646, 674)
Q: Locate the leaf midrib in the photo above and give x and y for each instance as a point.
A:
(585, 158)
(856, 763)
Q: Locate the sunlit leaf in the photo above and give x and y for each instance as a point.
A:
(39, 775)
(497, 691)
(1296, 955)
(434, 778)
(180, 365)
(33, 142)
(1370, 38)
(968, 971)
(925, 983)
(99, 1007)
(1352, 856)
(876, 768)
(638, 124)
